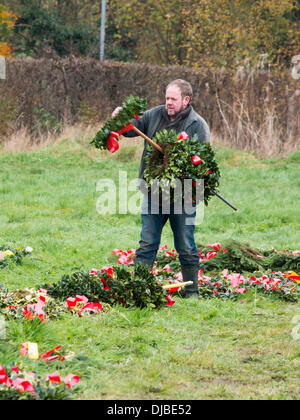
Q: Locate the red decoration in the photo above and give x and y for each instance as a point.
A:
(112, 142)
(196, 160)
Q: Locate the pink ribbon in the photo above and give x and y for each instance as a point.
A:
(32, 310)
(183, 136)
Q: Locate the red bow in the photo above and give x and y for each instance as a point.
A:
(112, 142)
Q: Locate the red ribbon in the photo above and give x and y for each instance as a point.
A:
(196, 160)
(112, 142)
(70, 380)
(292, 275)
(216, 246)
(170, 300)
(91, 307)
(49, 356)
(71, 302)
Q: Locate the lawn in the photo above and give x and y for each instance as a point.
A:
(206, 349)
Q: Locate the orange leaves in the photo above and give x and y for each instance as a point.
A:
(5, 50)
(7, 22)
(7, 19)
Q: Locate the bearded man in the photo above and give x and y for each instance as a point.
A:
(176, 114)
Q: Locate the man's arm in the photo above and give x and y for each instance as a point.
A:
(200, 127)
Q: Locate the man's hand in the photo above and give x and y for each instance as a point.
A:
(116, 112)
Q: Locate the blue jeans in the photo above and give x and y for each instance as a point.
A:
(183, 227)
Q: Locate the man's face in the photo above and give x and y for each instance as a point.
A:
(175, 103)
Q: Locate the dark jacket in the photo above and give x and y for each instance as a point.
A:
(193, 124)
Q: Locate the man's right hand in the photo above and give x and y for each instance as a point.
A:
(116, 112)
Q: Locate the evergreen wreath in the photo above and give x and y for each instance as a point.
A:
(132, 107)
(182, 158)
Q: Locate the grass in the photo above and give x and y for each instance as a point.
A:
(194, 350)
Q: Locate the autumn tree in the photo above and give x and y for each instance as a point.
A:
(7, 21)
(158, 28)
(213, 33)
(209, 32)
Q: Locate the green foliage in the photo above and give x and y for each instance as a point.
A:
(39, 28)
(213, 33)
(284, 261)
(176, 163)
(241, 258)
(131, 107)
(237, 257)
(9, 254)
(45, 121)
(120, 45)
(138, 289)
(77, 283)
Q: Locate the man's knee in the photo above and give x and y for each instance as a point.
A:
(188, 256)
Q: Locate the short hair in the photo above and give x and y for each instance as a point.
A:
(184, 86)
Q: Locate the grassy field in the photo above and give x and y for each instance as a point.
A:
(207, 349)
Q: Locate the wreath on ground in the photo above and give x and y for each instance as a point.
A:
(16, 255)
(183, 158)
(106, 139)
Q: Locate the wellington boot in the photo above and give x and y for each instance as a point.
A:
(190, 273)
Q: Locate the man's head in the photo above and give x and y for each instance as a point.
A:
(178, 96)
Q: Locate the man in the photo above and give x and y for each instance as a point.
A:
(179, 115)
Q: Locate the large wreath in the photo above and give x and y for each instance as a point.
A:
(182, 158)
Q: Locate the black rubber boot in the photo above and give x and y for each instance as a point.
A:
(190, 273)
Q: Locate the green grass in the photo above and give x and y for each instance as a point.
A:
(194, 350)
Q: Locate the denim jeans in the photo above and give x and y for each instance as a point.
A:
(183, 227)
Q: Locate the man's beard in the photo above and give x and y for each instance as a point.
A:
(174, 114)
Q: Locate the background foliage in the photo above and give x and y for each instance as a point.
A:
(189, 32)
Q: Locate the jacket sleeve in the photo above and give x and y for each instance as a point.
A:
(201, 129)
